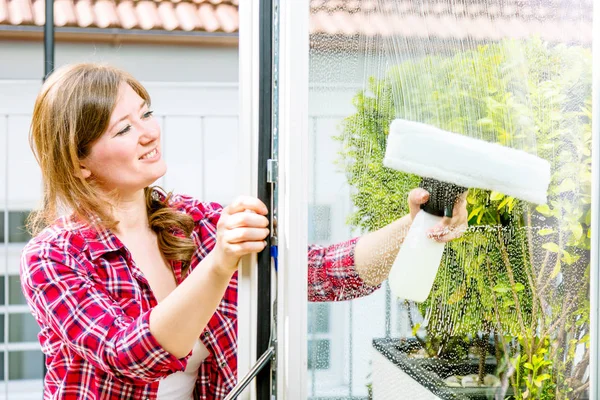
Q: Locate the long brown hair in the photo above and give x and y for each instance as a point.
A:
(71, 112)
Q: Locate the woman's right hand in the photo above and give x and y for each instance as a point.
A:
(242, 229)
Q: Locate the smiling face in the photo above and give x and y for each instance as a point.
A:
(127, 157)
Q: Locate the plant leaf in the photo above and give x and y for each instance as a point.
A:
(577, 230)
(474, 212)
(569, 258)
(416, 329)
(565, 186)
(458, 295)
(503, 203)
(519, 287)
(552, 247)
(544, 209)
(545, 231)
(501, 288)
(556, 270)
(495, 196)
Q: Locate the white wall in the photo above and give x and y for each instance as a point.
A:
(165, 63)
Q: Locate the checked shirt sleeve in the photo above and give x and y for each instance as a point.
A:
(64, 298)
(331, 273)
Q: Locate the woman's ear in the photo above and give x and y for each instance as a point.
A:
(84, 171)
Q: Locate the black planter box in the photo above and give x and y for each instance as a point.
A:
(431, 372)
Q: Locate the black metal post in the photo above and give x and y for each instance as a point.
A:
(49, 39)
(265, 129)
(48, 68)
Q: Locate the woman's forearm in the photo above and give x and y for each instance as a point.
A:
(177, 321)
(375, 252)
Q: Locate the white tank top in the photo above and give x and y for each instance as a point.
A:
(180, 385)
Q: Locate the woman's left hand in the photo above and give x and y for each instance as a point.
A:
(448, 228)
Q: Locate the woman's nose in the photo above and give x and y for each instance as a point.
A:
(149, 132)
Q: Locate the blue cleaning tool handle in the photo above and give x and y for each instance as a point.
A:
(274, 255)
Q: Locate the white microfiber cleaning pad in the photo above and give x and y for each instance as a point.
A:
(431, 152)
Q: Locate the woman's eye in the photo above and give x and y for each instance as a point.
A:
(124, 130)
(148, 114)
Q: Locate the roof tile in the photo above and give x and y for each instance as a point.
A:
(148, 15)
(20, 12)
(228, 17)
(65, 13)
(566, 20)
(208, 18)
(3, 12)
(166, 13)
(126, 14)
(38, 12)
(84, 13)
(106, 14)
(187, 16)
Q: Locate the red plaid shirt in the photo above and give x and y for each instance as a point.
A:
(93, 306)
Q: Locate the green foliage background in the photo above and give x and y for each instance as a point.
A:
(520, 273)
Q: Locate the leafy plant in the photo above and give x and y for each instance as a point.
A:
(520, 274)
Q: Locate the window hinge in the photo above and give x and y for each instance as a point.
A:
(272, 171)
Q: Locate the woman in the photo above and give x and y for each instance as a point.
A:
(135, 289)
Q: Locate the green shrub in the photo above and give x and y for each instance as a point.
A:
(521, 272)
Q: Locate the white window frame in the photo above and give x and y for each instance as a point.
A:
(248, 169)
(292, 109)
(595, 242)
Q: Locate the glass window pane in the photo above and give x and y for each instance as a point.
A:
(25, 365)
(1, 328)
(318, 318)
(506, 313)
(1, 287)
(2, 366)
(22, 328)
(318, 354)
(14, 290)
(17, 231)
(319, 223)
